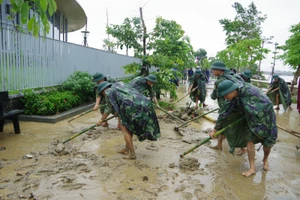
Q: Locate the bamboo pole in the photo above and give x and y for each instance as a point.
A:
(176, 128)
(210, 119)
(80, 115)
(294, 133)
(209, 138)
(185, 96)
(85, 130)
(169, 114)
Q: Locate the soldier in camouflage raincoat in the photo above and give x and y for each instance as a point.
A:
(222, 73)
(136, 112)
(198, 81)
(237, 76)
(260, 118)
(99, 78)
(279, 93)
(144, 86)
(246, 75)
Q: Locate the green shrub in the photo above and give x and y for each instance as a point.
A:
(80, 83)
(49, 103)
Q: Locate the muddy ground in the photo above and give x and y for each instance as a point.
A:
(36, 165)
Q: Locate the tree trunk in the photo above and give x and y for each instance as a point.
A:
(145, 67)
(297, 74)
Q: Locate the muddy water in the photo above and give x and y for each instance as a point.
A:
(88, 167)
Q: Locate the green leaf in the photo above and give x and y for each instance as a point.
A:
(30, 24)
(52, 7)
(19, 3)
(44, 5)
(0, 1)
(24, 12)
(36, 30)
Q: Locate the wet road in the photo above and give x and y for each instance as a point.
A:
(101, 173)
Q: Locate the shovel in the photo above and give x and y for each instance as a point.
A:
(85, 130)
(177, 127)
(209, 138)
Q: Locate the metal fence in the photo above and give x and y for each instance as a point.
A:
(29, 62)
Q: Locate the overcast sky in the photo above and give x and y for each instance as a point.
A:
(198, 18)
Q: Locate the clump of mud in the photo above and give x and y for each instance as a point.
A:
(190, 164)
(58, 149)
(184, 113)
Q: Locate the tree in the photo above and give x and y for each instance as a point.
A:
(243, 37)
(167, 48)
(109, 45)
(128, 34)
(246, 24)
(200, 55)
(291, 55)
(168, 41)
(42, 8)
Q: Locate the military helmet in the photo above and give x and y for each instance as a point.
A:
(97, 77)
(275, 76)
(198, 72)
(228, 71)
(247, 73)
(151, 78)
(218, 65)
(226, 87)
(103, 85)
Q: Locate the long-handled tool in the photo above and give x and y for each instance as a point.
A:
(294, 133)
(84, 113)
(85, 130)
(209, 138)
(169, 114)
(185, 96)
(177, 127)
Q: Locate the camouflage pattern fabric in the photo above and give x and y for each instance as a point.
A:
(201, 90)
(237, 76)
(140, 84)
(245, 79)
(225, 76)
(284, 93)
(104, 109)
(135, 111)
(259, 112)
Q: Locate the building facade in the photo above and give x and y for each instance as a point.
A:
(28, 62)
(68, 17)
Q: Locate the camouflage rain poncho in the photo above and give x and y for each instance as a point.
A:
(201, 90)
(225, 76)
(104, 108)
(284, 93)
(237, 76)
(135, 111)
(236, 114)
(260, 118)
(140, 84)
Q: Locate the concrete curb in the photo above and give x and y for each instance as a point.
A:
(56, 118)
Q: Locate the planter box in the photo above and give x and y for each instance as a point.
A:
(58, 117)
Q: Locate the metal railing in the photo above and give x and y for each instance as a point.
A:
(28, 62)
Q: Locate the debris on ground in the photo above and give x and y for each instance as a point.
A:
(188, 163)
